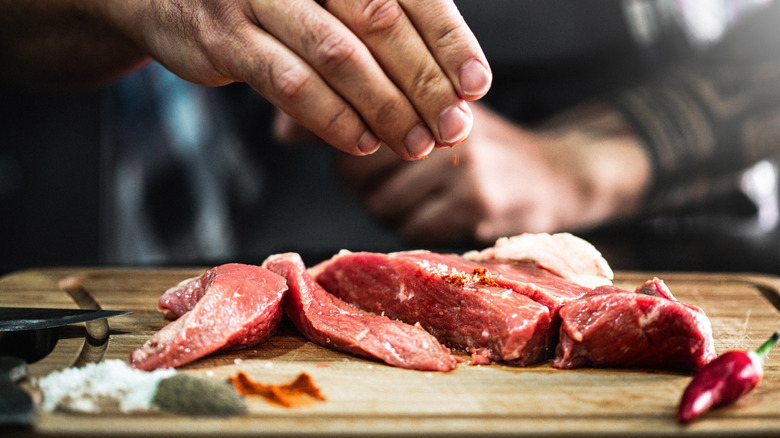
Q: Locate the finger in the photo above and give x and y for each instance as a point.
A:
(293, 86)
(403, 54)
(349, 68)
(452, 43)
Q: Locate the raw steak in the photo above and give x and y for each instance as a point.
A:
(656, 287)
(538, 284)
(239, 305)
(449, 296)
(331, 322)
(611, 327)
(181, 298)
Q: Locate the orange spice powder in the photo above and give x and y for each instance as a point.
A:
(301, 392)
(480, 276)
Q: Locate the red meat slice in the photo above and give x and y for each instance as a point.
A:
(239, 306)
(459, 305)
(525, 278)
(331, 322)
(615, 328)
(181, 298)
(655, 287)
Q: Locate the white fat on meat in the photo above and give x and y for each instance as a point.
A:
(563, 254)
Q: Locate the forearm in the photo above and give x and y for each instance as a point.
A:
(64, 43)
(712, 118)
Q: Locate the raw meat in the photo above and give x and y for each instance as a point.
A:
(656, 287)
(452, 298)
(181, 298)
(331, 322)
(563, 254)
(239, 306)
(611, 327)
(538, 284)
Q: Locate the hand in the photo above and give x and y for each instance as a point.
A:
(355, 73)
(582, 170)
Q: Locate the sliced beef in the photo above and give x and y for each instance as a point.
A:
(657, 288)
(331, 322)
(538, 284)
(611, 327)
(450, 297)
(523, 277)
(239, 305)
(181, 298)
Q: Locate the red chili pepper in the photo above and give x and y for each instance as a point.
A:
(727, 378)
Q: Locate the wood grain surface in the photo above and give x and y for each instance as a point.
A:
(370, 398)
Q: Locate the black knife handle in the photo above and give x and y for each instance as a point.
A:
(16, 405)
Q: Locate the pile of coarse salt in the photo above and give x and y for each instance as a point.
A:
(83, 389)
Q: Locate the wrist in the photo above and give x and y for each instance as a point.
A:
(122, 21)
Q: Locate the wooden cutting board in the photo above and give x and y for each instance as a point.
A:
(369, 398)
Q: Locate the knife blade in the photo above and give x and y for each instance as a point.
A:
(36, 318)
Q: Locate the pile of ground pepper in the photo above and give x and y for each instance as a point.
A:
(185, 394)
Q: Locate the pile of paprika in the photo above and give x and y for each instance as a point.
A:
(724, 380)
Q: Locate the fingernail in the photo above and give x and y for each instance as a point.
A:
(475, 79)
(454, 124)
(368, 143)
(419, 141)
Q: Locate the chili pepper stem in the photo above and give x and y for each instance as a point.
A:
(767, 346)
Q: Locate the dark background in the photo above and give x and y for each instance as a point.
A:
(52, 170)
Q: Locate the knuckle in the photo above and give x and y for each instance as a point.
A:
(426, 83)
(335, 51)
(290, 83)
(380, 15)
(217, 51)
(341, 128)
(449, 35)
(337, 119)
(386, 113)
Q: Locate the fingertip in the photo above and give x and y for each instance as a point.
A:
(452, 145)
(419, 142)
(368, 143)
(455, 124)
(475, 80)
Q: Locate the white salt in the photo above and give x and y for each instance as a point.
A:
(113, 379)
